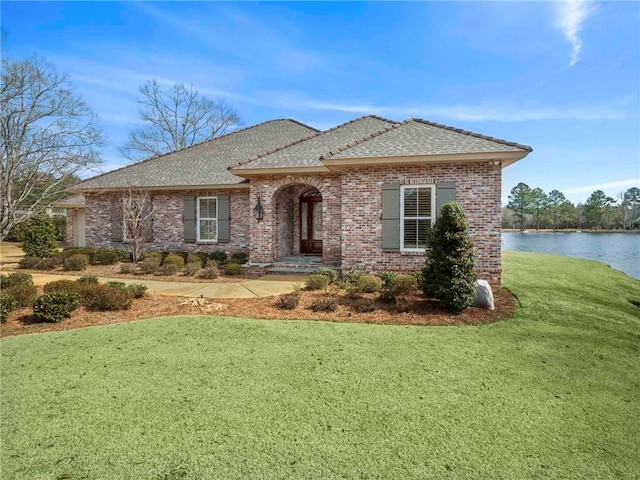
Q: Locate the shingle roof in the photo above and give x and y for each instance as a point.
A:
(76, 201)
(205, 163)
(307, 152)
(420, 137)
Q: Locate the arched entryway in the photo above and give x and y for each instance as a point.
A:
(311, 222)
(298, 221)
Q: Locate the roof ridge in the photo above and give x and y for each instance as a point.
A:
(360, 140)
(295, 142)
(473, 134)
(191, 146)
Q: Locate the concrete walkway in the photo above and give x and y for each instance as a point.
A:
(260, 287)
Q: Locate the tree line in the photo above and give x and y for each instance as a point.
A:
(533, 208)
(49, 137)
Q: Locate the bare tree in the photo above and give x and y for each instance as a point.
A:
(175, 118)
(136, 209)
(48, 135)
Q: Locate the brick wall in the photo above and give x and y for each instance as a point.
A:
(478, 188)
(167, 222)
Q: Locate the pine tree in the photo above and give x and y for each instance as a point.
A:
(449, 274)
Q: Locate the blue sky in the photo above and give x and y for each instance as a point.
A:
(563, 77)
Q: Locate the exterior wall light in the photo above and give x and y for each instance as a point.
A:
(258, 210)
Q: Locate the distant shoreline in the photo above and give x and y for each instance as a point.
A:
(565, 230)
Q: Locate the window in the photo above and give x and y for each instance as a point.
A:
(417, 204)
(207, 225)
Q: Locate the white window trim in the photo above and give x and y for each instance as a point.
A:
(206, 240)
(433, 208)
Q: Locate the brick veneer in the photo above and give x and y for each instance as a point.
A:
(478, 188)
(167, 222)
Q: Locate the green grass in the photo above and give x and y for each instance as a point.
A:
(552, 393)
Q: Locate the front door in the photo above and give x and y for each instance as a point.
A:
(311, 224)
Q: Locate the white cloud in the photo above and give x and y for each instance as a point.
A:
(603, 186)
(570, 18)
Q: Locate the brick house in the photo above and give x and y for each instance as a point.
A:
(362, 194)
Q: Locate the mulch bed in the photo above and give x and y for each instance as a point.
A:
(423, 311)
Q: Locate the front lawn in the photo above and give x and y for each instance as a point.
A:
(553, 392)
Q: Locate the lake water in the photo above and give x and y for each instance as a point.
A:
(620, 250)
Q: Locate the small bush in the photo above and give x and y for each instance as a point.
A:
(40, 238)
(402, 284)
(239, 257)
(23, 294)
(7, 305)
(211, 272)
(218, 256)
(61, 286)
(369, 283)
(364, 305)
(60, 225)
(76, 263)
(149, 264)
(326, 303)
(16, 278)
(330, 273)
(387, 278)
(105, 298)
(128, 268)
(29, 262)
(190, 269)
(50, 263)
(167, 269)
(136, 290)
(174, 259)
(116, 284)
(158, 255)
(289, 301)
(87, 280)
(317, 281)
(105, 256)
(354, 291)
(232, 269)
(403, 304)
(353, 275)
(53, 307)
(197, 259)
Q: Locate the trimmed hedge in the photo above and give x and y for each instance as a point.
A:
(53, 307)
(105, 298)
(7, 305)
(76, 263)
(61, 286)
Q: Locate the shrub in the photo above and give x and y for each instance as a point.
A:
(402, 284)
(387, 278)
(364, 305)
(77, 262)
(136, 290)
(317, 281)
(449, 273)
(49, 263)
(105, 256)
(128, 268)
(116, 284)
(330, 273)
(16, 278)
(29, 262)
(354, 291)
(190, 269)
(87, 280)
(403, 304)
(149, 264)
(167, 269)
(369, 283)
(174, 259)
(239, 257)
(53, 307)
(232, 269)
(60, 226)
(352, 276)
(218, 256)
(325, 303)
(7, 305)
(289, 301)
(211, 272)
(105, 298)
(197, 259)
(61, 286)
(40, 238)
(158, 255)
(23, 294)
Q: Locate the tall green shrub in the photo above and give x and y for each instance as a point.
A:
(449, 274)
(40, 238)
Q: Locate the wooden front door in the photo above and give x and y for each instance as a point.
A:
(311, 224)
